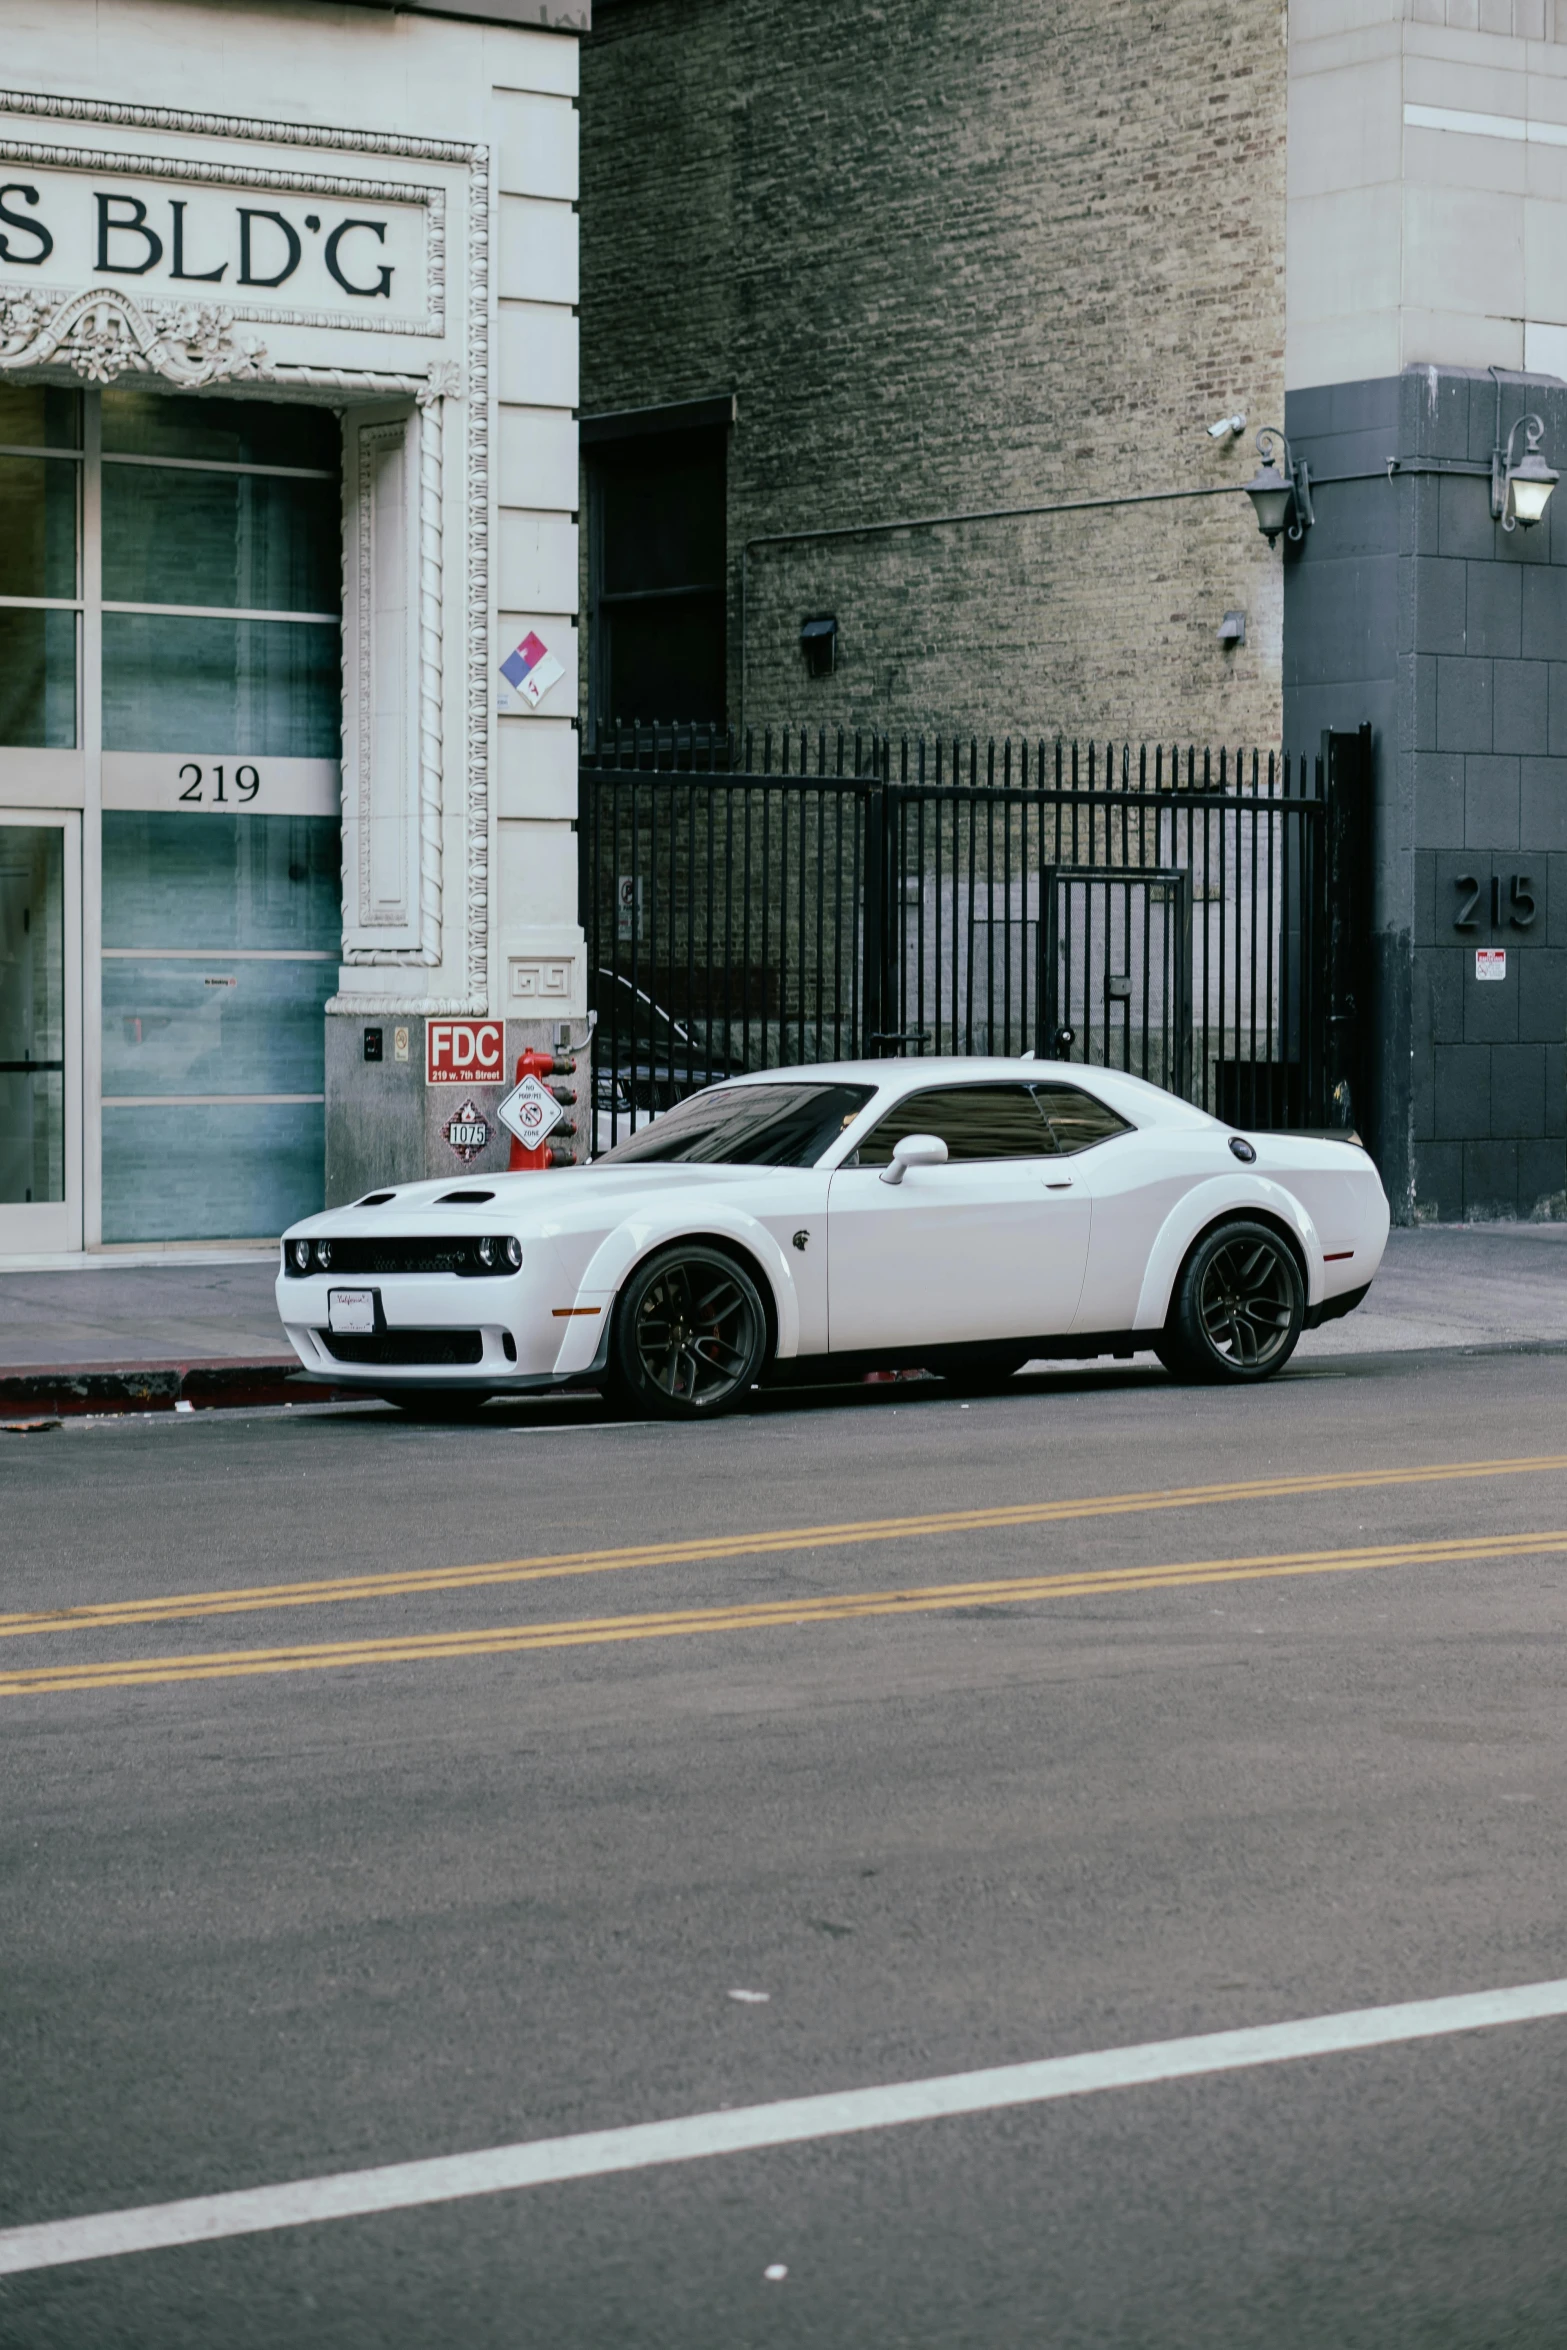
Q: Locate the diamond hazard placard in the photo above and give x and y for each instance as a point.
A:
(531, 1112)
(530, 669)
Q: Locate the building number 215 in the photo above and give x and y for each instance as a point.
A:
(214, 783)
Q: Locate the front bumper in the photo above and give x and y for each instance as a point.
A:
(431, 1330)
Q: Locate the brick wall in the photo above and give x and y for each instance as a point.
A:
(954, 258)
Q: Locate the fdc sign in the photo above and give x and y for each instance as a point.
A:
(464, 1052)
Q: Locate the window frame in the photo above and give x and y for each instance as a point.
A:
(603, 438)
(1123, 1125)
(1048, 1149)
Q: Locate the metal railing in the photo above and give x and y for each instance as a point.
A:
(784, 901)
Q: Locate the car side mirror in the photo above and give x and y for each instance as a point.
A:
(915, 1150)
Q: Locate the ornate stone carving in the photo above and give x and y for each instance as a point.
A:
(444, 382)
(478, 550)
(101, 334)
(203, 352)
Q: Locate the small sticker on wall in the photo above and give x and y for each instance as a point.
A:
(468, 1131)
(528, 671)
(1490, 962)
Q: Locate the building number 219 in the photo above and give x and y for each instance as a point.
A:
(211, 783)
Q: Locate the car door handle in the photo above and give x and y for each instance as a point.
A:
(1058, 1183)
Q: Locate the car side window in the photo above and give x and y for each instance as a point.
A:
(974, 1121)
(1077, 1120)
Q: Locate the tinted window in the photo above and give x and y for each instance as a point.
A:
(974, 1121)
(1076, 1120)
(747, 1126)
(656, 577)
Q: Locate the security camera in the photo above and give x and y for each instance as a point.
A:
(1232, 424)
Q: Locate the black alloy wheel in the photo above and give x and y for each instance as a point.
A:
(1238, 1308)
(690, 1333)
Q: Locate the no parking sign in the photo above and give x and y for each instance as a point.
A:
(531, 1112)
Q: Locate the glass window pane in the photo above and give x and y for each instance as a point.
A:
(214, 1026)
(247, 432)
(219, 538)
(1077, 1119)
(219, 1171)
(664, 659)
(38, 680)
(974, 1121)
(250, 689)
(32, 1012)
(38, 526)
(38, 417)
(222, 881)
(662, 503)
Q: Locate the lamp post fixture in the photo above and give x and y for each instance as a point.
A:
(1521, 489)
(1282, 499)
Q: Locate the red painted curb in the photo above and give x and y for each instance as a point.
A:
(159, 1386)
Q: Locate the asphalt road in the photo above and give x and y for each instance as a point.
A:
(502, 1884)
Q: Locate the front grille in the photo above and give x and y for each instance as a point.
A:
(404, 1347)
(391, 1253)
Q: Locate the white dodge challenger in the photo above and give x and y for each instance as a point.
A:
(966, 1216)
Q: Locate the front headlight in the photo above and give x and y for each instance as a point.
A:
(299, 1254)
(513, 1251)
(323, 1254)
(486, 1252)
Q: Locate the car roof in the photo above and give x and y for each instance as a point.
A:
(1142, 1103)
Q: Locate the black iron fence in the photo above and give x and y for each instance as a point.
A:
(1183, 915)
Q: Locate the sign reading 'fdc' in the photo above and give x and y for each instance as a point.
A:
(464, 1052)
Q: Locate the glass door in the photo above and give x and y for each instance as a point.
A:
(40, 1032)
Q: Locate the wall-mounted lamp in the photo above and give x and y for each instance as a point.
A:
(1521, 490)
(819, 644)
(1282, 500)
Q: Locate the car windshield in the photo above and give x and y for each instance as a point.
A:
(746, 1126)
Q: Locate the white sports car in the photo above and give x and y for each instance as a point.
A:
(963, 1215)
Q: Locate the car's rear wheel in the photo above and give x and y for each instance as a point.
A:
(1238, 1308)
(690, 1333)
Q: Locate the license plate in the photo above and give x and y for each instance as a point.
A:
(350, 1309)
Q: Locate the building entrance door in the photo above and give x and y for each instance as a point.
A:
(40, 1031)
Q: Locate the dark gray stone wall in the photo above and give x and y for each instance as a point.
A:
(954, 258)
(1407, 604)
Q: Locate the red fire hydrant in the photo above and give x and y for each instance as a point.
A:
(542, 1065)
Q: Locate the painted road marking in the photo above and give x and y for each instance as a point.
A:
(793, 2121)
(764, 1615)
(339, 1589)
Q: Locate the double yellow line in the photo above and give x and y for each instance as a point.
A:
(763, 1615)
(338, 1590)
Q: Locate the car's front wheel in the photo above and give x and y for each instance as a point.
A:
(1238, 1308)
(690, 1333)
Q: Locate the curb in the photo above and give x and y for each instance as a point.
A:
(160, 1386)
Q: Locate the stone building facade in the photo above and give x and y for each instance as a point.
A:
(947, 260)
(288, 469)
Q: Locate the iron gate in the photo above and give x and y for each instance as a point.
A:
(1189, 917)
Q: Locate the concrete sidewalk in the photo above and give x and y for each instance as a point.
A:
(106, 1336)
